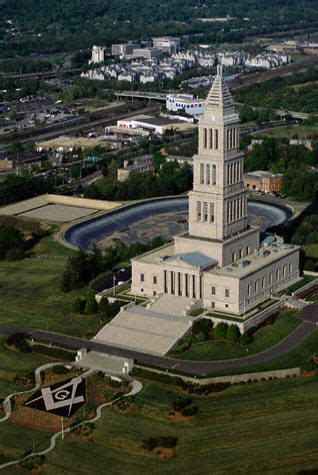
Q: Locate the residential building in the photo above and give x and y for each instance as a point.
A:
(98, 54)
(140, 164)
(263, 181)
(167, 44)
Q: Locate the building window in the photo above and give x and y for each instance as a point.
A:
(290, 267)
(205, 212)
(155, 279)
(284, 270)
(255, 286)
(248, 250)
(211, 138)
(199, 215)
(233, 256)
(240, 253)
(213, 174)
(211, 212)
(216, 142)
(213, 290)
(270, 277)
(201, 173)
(142, 277)
(205, 138)
(263, 283)
(277, 275)
(249, 290)
(227, 293)
(208, 174)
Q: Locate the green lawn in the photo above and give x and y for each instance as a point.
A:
(30, 296)
(13, 362)
(264, 338)
(301, 283)
(311, 250)
(253, 428)
(289, 131)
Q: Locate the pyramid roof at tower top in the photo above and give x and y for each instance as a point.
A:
(219, 100)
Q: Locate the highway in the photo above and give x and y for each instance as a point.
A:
(200, 368)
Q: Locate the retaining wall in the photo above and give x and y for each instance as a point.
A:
(236, 378)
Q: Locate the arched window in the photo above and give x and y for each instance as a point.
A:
(211, 139)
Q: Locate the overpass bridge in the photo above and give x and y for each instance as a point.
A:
(161, 97)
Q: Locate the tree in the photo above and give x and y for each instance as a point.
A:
(246, 339)
(220, 331)
(91, 304)
(77, 306)
(233, 333)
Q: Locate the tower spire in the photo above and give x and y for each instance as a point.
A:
(219, 101)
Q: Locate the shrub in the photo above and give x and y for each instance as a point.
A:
(220, 331)
(204, 325)
(91, 304)
(181, 403)
(103, 305)
(233, 333)
(189, 411)
(246, 338)
(19, 342)
(152, 442)
(15, 254)
(78, 305)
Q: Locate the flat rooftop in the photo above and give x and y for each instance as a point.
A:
(255, 261)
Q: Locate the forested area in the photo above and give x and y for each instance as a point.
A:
(296, 162)
(298, 92)
(171, 179)
(49, 26)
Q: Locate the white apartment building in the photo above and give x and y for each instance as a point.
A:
(187, 102)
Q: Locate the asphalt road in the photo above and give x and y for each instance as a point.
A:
(200, 368)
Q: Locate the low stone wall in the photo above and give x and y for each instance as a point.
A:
(82, 202)
(309, 286)
(233, 379)
(253, 321)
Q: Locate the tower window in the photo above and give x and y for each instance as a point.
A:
(201, 173)
(211, 138)
(227, 293)
(216, 144)
(199, 213)
(213, 174)
(205, 212)
(211, 212)
(205, 138)
(208, 174)
(142, 277)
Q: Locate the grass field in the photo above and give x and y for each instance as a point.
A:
(311, 250)
(289, 131)
(252, 428)
(30, 295)
(267, 336)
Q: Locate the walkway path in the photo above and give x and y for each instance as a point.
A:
(200, 368)
(136, 387)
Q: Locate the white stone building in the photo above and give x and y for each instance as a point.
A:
(186, 102)
(220, 262)
(98, 54)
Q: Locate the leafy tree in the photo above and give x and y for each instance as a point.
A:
(91, 304)
(246, 338)
(233, 333)
(220, 331)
